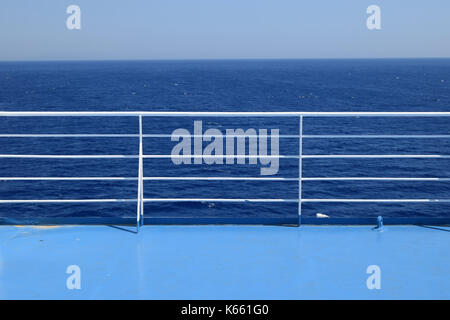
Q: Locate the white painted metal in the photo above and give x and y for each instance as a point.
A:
(212, 136)
(215, 200)
(168, 156)
(222, 178)
(140, 196)
(377, 156)
(141, 171)
(69, 135)
(372, 179)
(226, 178)
(67, 200)
(65, 178)
(376, 200)
(300, 167)
(139, 193)
(113, 135)
(214, 114)
(368, 136)
(69, 156)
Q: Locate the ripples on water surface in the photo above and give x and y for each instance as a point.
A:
(307, 85)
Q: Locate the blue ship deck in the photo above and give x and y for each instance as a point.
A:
(224, 262)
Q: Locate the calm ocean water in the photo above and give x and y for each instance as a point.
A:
(296, 85)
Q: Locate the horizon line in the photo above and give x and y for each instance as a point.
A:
(225, 59)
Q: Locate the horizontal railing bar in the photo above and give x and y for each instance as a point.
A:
(230, 178)
(306, 136)
(408, 136)
(375, 200)
(215, 114)
(93, 135)
(131, 135)
(216, 200)
(163, 156)
(166, 156)
(287, 200)
(69, 135)
(297, 179)
(68, 156)
(146, 200)
(146, 178)
(373, 179)
(68, 200)
(336, 156)
(368, 136)
(64, 178)
(303, 156)
(157, 135)
(224, 178)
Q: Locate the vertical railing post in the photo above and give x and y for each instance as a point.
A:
(141, 162)
(300, 168)
(140, 194)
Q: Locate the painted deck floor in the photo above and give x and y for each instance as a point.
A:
(225, 262)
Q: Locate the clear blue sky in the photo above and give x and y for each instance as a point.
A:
(222, 29)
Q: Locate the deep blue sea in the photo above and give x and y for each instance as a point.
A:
(272, 85)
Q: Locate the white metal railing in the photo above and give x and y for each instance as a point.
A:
(300, 156)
